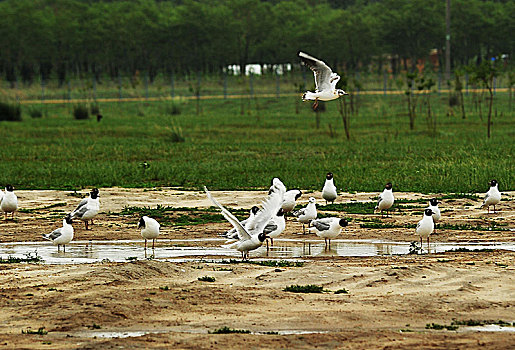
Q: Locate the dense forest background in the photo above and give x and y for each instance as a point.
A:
(64, 38)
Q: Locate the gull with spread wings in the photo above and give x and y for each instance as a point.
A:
(251, 235)
(325, 81)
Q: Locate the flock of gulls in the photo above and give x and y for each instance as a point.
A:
(267, 221)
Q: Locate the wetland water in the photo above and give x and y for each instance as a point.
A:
(80, 252)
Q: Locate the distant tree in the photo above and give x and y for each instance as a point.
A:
(483, 75)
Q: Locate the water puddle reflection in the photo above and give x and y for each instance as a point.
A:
(83, 252)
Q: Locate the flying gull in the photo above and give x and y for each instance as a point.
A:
(325, 81)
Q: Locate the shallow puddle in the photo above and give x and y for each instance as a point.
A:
(88, 252)
(488, 328)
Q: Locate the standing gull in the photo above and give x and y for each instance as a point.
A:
(325, 81)
(493, 196)
(425, 227)
(305, 215)
(433, 205)
(386, 199)
(149, 230)
(63, 235)
(233, 233)
(329, 190)
(290, 200)
(87, 208)
(328, 228)
(275, 227)
(9, 201)
(251, 236)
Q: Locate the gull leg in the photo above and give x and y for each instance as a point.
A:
(315, 105)
(153, 243)
(267, 248)
(64, 248)
(86, 223)
(145, 244)
(420, 243)
(427, 244)
(58, 248)
(272, 242)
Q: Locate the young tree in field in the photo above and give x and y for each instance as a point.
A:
(483, 75)
(458, 88)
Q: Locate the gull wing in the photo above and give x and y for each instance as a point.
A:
(379, 200)
(54, 234)
(270, 206)
(322, 224)
(242, 233)
(79, 212)
(1, 196)
(270, 227)
(486, 197)
(418, 225)
(299, 212)
(322, 72)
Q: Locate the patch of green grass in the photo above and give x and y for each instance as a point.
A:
(171, 216)
(465, 227)
(269, 263)
(94, 326)
(29, 258)
(164, 288)
(309, 288)
(350, 208)
(40, 331)
(227, 330)
(342, 291)
(220, 142)
(441, 326)
(473, 323)
(466, 250)
(460, 196)
(131, 258)
(206, 279)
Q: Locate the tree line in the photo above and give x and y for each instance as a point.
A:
(65, 38)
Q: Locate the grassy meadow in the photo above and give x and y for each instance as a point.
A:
(244, 143)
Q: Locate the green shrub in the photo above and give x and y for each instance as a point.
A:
(35, 113)
(10, 112)
(80, 112)
(94, 109)
(206, 279)
(227, 330)
(173, 109)
(309, 288)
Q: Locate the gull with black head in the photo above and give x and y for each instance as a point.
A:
(328, 228)
(149, 230)
(425, 227)
(386, 199)
(251, 235)
(9, 201)
(493, 196)
(88, 208)
(63, 235)
(329, 192)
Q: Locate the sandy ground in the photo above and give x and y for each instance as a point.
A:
(390, 299)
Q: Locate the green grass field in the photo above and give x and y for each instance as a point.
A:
(225, 149)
